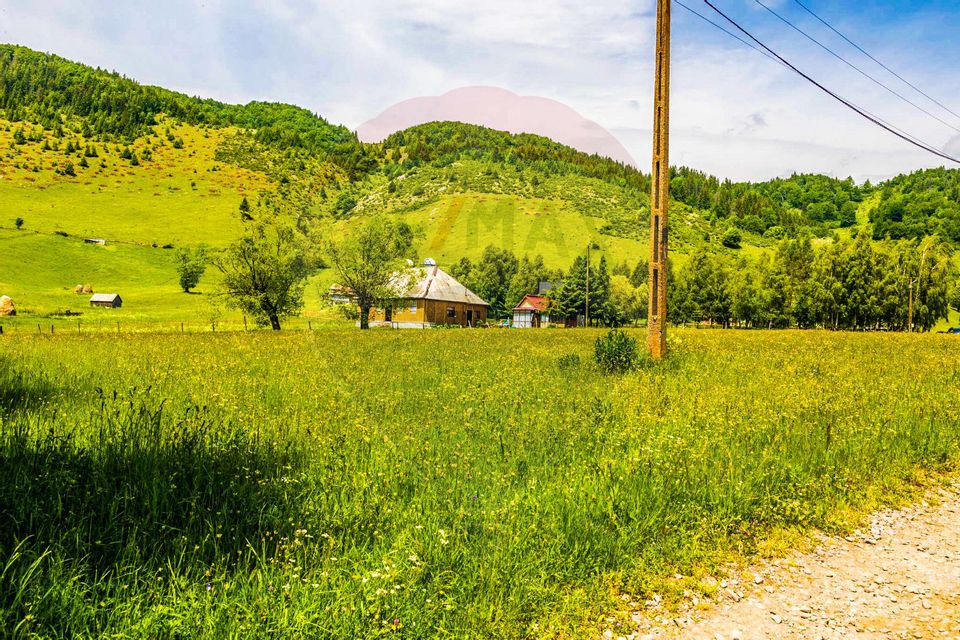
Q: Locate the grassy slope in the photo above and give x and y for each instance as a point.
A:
(186, 197)
(181, 196)
(462, 225)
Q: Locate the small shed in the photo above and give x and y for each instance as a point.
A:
(339, 294)
(99, 241)
(108, 300)
(531, 312)
(6, 306)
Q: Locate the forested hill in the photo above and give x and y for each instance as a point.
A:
(60, 103)
(49, 90)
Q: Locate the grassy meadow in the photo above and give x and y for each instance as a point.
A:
(434, 484)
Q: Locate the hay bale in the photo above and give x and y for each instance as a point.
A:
(88, 288)
(6, 306)
(78, 289)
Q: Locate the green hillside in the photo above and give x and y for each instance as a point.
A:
(89, 153)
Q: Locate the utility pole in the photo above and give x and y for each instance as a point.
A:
(910, 310)
(660, 191)
(586, 297)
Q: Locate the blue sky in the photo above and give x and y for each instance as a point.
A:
(735, 113)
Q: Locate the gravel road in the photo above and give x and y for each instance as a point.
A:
(899, 577)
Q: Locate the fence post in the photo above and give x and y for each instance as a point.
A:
(51, 329)
(78, 327)
(181, 327)
(309, 325)
(1, 329)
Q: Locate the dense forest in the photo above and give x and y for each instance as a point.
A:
(773, 209)
(920, 204)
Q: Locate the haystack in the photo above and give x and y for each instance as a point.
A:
(88, 288)
(78, 289)
(6, 306)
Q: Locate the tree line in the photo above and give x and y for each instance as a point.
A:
(853, 284)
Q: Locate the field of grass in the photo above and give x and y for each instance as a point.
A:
(180, 196)
(39, 272)
(433, 484)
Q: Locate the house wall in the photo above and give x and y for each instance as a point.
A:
(522, 319)
(439, 312)
(430, 312)
(405, 311)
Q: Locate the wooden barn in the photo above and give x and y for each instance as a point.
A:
(531, 313)
(434, 297)
(107, 300)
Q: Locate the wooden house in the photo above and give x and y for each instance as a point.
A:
(107, 300)
(431, 297)
(532, 312)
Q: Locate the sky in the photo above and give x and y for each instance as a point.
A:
(734, 113)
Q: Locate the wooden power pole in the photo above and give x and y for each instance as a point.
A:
(586, 297)
(660, 191)
(910, 310)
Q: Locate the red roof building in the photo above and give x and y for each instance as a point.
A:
(531, 312)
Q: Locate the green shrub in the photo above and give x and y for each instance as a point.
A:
(616, 352)
(569, 361)
(731, 239)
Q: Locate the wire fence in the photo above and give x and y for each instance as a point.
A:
(58, 326)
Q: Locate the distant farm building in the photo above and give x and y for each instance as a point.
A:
(531, 312)
(107, 300)
(6, 306)
(434, 298)
(339, 294)
(99, 241)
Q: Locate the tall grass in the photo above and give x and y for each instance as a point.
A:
(431, 484)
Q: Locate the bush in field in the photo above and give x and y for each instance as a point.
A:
(569, 362)
(616, 352)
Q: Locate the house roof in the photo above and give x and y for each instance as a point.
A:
(339, 289)
(533, 303)
(104, 297)
(433, 283)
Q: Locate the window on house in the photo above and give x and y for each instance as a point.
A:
(413, 306)
(451, 312)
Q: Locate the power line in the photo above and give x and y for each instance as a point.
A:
(854, 67)
(761, 51)
(847, 103)
(779, 62)
(726, 31)
(891, 71)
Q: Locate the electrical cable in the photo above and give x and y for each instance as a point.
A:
(854, 67)
(761, 51)
(726, 31)
(888, 69)
(859, 110)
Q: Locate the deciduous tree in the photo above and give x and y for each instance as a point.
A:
(265, 270)
(371, 262)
